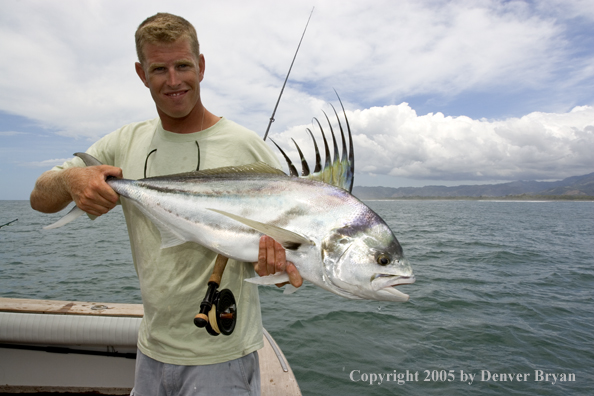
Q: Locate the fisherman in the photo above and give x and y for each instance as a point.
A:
(174, 356)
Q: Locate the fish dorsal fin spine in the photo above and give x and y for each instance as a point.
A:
(257, 168)
(336, 170)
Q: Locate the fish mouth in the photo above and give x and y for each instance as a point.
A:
(384, 283)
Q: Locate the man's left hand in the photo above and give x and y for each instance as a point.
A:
(272, 259)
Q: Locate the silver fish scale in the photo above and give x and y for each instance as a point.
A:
(304, 206)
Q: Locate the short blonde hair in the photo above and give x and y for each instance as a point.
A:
(165, 28)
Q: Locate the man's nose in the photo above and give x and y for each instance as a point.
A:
(172, 78)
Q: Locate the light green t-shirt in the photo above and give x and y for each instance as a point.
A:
(173, 281)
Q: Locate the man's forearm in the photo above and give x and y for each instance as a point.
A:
(50, 194)
(86, 186)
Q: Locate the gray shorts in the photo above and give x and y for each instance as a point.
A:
(233, 378)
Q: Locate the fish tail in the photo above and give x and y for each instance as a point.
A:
(75, 212)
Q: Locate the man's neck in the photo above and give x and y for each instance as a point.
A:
(198, 120)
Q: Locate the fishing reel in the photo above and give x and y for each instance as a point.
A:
(218, 310)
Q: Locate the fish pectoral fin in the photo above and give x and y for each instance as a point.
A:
(289, 239)
(275, 279)
(290, 289)
(74, 213)
(279, 277)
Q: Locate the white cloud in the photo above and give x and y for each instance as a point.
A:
(395, 141)
(71, 62)
(68, 66)
(47, 164)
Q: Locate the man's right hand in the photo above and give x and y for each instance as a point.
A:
(87, 187)
(89, 190)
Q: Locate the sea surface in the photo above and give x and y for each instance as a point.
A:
(503, 303)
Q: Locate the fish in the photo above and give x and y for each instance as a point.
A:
(335, 241)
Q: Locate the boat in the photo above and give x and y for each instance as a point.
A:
(71, 347)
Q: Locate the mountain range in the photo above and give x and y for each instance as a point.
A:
(572, 187)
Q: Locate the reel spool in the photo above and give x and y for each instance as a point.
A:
(218, 310)
(223, 314)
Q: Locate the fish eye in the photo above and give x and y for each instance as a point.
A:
(383, 259)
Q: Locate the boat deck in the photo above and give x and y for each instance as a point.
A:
(69, 347)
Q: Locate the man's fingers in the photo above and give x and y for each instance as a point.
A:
(104, 189)
(261, 264)
(272, 259)
(115, 172)
(294, 275)
(280, 257)
(108, 196)
(270, 256)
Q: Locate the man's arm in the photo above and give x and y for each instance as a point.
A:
(85, 186)
(272, 259)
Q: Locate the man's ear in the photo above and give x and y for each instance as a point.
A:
(202, 65)
(141, 73)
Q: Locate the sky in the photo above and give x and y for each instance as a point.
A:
(436, 92)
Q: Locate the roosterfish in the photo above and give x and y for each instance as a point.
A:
(335, 241)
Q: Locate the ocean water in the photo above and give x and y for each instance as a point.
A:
(503, 303)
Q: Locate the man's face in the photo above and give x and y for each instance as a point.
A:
(173, 75)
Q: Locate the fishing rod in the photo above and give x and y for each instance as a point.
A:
(9, 223)
(286, 78)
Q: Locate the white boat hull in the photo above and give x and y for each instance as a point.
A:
(76, 347)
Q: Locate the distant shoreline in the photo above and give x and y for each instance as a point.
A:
(575, 188)
(543, 198)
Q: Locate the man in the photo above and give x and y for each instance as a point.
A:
(174, 356)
